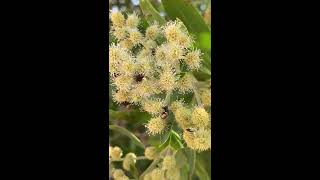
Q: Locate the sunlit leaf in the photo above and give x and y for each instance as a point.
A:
(128, 134)
(150, 13)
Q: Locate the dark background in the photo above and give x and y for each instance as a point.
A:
(54, 71)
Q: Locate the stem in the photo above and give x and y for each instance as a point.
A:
(196, 94)
(121, 159)
(153, 164)
(168, 95)
(193, 164)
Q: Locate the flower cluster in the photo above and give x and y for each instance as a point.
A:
(166, 170)
(147, 66)
(196, 125)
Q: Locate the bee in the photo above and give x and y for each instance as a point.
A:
(115, 75)
(165, 113)
(153, 51)
(174, 70)
(191, 130)
(138, 77)
(125, 104)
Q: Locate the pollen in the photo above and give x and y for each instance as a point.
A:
(126, 43)
(152, 32)
(172, 31)
(117, 18)
(185, 84)
(153, 106)
(176, 105)
(200, 117)
(182, 116)
(132, 21)
(189, 138)
(150, 44)
(128, 67)
(123, 82)
(135, 37)
(203, 139)
(205, 96)
(130, 159)
(175, 52)
(193, 60)
(150, 152)
(161, 52)
(114, 53)
(120, 96)
(167, 80)
(185, 41)
(120, 33)
(155, 126)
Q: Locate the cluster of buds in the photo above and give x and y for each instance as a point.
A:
(166, 170)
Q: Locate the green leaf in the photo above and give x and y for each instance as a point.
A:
(134, 115)
(134, 171)
(205, 40)
(182, 159)
(125, 132)
(201, 171)
(187, 13)
(192, 161)
(150, 13)
(173, 140)
(165, 143)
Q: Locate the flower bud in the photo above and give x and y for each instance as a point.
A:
(150, 153)
(130, 159)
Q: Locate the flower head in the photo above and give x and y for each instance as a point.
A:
(173, 31)
(182, 116)
(200, 117)
(118, 173)
(117, 18)
(135, 37)
(152, 32)
(167, 80)
(119, 32)
(150, 152)
(130, 159)
(200, 140)
(155, 126)
(154, 106)
(132, 21)
(116, 153)
(193, 60)
(185, 84)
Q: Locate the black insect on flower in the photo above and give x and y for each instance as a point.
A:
(191, 130)
(165, 112)
(114, 75)
(153, 51)
(138, 77)
(125, 104)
